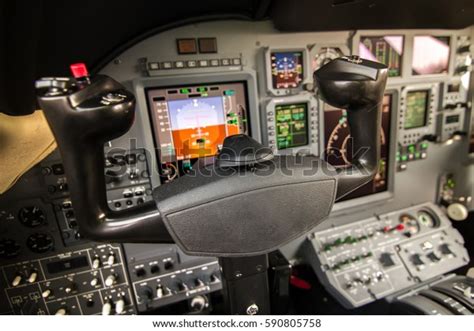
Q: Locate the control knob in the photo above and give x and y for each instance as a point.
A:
(33, 277)
(17, 280)
(198, 303)
(31, 216)
(120, 306)
(46, 293)
(145, 294)
(110, 280)
(61, 311)
(107, 308)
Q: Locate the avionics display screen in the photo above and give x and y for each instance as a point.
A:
(291, 125)
(452, 119)
(287, 69)
(339, 151)
(192, 121)
(430, 55)
(416, 109)
(384, 49)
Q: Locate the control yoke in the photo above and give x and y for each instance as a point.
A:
(247, 203)
(358, 86)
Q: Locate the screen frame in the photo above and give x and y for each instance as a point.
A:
(376, 198)
(307, 72)
(152, 117)
(143, 116)
(427, 93)
(402, 56)
(307, 122)
(450, 55)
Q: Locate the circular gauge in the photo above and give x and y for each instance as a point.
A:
(40, 242)
(427, 219)
(31, 216)
(410, 223)
(325, 55)
(9, 248)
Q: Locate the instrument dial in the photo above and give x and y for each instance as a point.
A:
(325, 55)
(31, 216)
(411, 224)
(40, 242)
(427, 219)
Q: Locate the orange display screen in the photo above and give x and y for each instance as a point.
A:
(193, 121)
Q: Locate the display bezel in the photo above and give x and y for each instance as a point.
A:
(139, 85)
(426, 93)
(448, 69)
(306, 119)
(147, 90)
(402, 55)
(307, 75)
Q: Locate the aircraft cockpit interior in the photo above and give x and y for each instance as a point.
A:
(236, 157)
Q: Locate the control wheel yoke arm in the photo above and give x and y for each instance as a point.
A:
(85, 116)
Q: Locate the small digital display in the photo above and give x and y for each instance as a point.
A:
(287, 69)
(192, 121)
(384, 49)
(67, 264)
(430, 55)
(291, 125)
(452, 119)
(416, 109)
(339, 151)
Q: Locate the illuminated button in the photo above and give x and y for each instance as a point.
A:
(214, 63)
(179, 64)
(153, 66)
(203, 63)
(167, 65)
(46, 293)
(33, 277)
(110, 280)
(120, 306)
(191, 64)
(236, 62)
(106, 308)
(16, 281)
(225, 62)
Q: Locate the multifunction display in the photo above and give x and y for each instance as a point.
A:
(416, 109)
(292, 125)
(192, 121)
(430, 55)
(384, 49)
(339, 150)
(286, 69)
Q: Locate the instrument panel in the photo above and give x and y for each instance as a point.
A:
(252, 80)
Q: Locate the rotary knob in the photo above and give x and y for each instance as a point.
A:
(40, 242)
(198, 303)
(31, 216)
(9, 248)
(145, 294)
